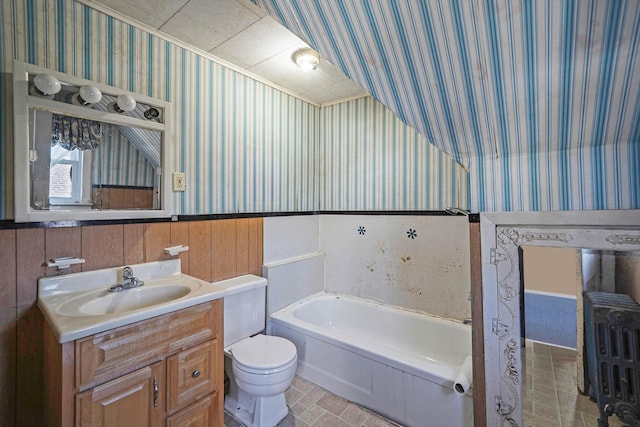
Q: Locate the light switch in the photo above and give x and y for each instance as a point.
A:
(179, 181)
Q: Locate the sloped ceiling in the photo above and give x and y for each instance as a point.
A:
(488, 78)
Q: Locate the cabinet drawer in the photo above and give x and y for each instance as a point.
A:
(191, 374)
(106, 355)
(203, 413)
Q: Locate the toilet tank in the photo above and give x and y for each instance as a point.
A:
(244, 307)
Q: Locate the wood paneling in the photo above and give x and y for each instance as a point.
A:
(180, 236)
(30, 258)
(242, 246)
(224, 249)
(200, 249)
(133, 243)
(8, 291)
(255, 246)
(102, 247)
(123, 198)
(8, 347)
(8, 337)
(157, 236)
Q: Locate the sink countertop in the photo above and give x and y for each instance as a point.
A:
(56, 291)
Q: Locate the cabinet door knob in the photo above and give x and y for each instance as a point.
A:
(195, 374)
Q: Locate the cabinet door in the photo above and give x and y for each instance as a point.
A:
(192, 375)
(203, 413)
(133, 400)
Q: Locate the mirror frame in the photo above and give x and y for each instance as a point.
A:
(23, 101)
(502, 235)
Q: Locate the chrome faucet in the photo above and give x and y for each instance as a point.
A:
(467, 321)
(128, 281)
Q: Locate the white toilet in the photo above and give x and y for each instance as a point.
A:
(260, 367)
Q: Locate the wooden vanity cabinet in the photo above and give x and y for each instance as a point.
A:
(131, 400)
(167, 370)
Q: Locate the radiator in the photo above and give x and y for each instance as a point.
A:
(612, 346)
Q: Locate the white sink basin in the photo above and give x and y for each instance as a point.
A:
(77, 305)
(101, 302)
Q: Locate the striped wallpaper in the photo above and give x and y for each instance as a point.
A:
(370, 160)
(244, 146)
(539, 99)
(118, 162)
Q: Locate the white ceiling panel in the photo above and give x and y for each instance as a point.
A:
(206, 24)
(154, 13)
(242, 34)
(259, 42)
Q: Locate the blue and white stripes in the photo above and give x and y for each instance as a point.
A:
(539, 98)
(244, 146)
(370, 160)
(119, 162)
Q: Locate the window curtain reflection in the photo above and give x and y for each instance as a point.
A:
(73, 133)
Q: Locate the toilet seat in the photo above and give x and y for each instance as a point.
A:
(263, 354)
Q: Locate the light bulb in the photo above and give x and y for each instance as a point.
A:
(46, 84)
(152, 113)
(125, 102)
(87, 95)
(90, 94)
(306, 59)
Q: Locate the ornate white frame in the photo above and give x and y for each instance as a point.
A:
(502, 234)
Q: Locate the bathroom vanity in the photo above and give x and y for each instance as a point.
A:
(140, 365)
(169, 367)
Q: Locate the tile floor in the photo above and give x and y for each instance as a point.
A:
(551, 397)
(312, 406)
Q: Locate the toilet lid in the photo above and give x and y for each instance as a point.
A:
(263, 352)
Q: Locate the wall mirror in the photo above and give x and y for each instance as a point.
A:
(86, 151)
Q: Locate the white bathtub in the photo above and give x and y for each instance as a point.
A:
(395, 362)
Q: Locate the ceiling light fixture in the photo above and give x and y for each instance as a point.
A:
(124, 102)
(307, 59)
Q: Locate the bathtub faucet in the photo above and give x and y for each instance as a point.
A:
(128, 281)
(466, 321)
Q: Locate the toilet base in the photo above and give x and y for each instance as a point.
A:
(257, 411)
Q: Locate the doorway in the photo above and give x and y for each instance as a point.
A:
(552, 391)
(502, 235)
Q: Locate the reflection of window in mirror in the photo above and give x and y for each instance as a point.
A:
(69, 177)
(79, 158)
(84, 164)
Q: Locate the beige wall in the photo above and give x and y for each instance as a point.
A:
(550, 269)
(218, 249)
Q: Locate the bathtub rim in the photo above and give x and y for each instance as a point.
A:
(422, 367)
